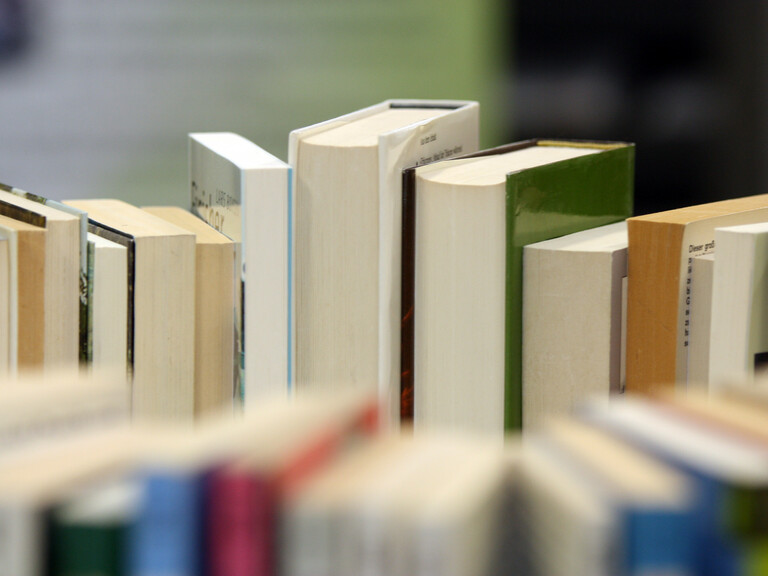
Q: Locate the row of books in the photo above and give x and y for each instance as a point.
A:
(665, 485)
(478, 290)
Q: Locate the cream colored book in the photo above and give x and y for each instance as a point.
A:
(348, 191)
(215, 356)
(108, 305)
(162, 305)
(245, 193)
(702, 271)
(6, 326)
(738, 342)
(61, 276)
(27, 294)
(572, 326)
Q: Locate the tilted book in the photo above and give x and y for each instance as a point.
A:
(465, 224)
(347, 181)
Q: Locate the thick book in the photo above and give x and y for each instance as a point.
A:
(215, 287)
(61, 277)
(347, 182)
(161, 289)
(465, 224)
(245, 193)
(107, 314)
(662, 248)
(84, 272)
(26, 299)
(738, 345)
(572, 324)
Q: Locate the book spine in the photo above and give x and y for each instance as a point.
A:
(22, 537)
(165, 539)
(659, 542)
(241, 525)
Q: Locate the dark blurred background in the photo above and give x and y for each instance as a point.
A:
(96, 97)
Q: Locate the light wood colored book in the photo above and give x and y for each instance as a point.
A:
(108, 305)
(27, 295)
(6, 326)
(214, 309)
(162, 291)
(662, 248)
(62, 276)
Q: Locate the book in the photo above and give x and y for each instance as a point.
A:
(650, 501)
(463, 345)
(245, 193)
(739, 313)
(727, 470)
(26, 298)
(6, 286)
(702, 270)
(61, 336)
(107, 340)
(347, 182)
(662, 248)
(245, 495)
(84, 277)
(89, 529)
(572, 325)
(161, 308)
(214, 306)
(31, 487)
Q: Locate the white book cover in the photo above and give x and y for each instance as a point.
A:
(245, 192)
(451, 131)
(702, 270)
(739, 324)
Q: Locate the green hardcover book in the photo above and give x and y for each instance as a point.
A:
(89, 533)
(465, 222)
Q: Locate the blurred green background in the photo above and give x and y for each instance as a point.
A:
(96, 97)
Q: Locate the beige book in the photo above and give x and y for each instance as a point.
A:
(6, 327)
(572, 325)
(61, 276)
(348, 190)
(214, 309)
(27, 296)
(162, 291)
(702, 271)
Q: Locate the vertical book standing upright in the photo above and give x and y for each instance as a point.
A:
(739, 314)
(348, 174)
(466, 221)
(245, 193)
(662, 247)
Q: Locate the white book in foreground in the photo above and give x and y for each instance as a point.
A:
(245, 193)
(739, 324)
(348, 186)
(572, 326)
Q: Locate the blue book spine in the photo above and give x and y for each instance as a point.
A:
(168, 535)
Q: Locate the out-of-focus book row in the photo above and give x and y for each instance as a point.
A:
(668, 484)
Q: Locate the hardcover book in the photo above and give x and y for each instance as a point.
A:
(465, 224)
(347, 181)
(245, 193)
